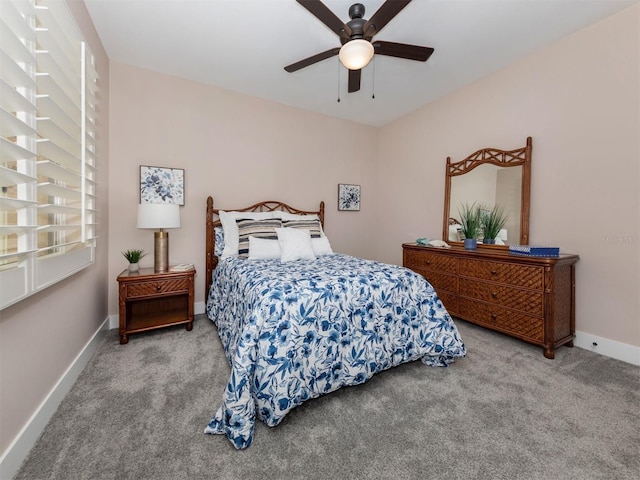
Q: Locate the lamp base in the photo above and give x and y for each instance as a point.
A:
(161, 251)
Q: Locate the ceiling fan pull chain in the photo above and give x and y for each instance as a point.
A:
(338, 80)
(373, 90)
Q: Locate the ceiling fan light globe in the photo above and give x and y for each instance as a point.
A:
(356, 54)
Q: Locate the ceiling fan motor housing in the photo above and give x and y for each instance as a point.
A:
(357, 22)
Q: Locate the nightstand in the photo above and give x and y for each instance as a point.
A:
(150, 300)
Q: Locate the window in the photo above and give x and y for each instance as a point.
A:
(48, 88)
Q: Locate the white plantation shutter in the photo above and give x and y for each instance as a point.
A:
(48, 87)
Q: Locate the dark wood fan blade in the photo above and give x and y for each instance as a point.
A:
(354, 80)
(385, 13)
(311, 60)
(326, 16)
(402, 50)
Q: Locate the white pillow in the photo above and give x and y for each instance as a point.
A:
(295, 244)
(321, 246)
(454, 236)
(262, 248)
(228, 221)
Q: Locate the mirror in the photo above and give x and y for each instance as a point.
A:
(490, 177)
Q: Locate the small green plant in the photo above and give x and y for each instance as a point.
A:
(133, 256)
(470, 220)
(493, 220)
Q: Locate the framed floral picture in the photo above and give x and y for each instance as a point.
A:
(161, 185)
(348, 197)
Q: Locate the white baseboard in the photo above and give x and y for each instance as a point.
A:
(609, 348)
(18, 450)
(114, 320)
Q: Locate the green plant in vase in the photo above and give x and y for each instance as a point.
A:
(493, 220)
(134, 257)
(471, 222)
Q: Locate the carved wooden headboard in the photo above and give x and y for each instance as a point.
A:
(213, 221)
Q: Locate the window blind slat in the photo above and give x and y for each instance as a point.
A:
(9, 229)
(12, 101)
(54, 152)
(12, 126)
(59, 209)
(58, 228)
(12, 45)
(13, 74)
(9, 151)
(9, 177)
(58, 191)
(50, 169)
(13, 204)
(47, 108)
(52, 131)
(46, 83)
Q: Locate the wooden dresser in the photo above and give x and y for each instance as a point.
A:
(530, 298)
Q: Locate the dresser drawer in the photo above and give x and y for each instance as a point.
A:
(440, 281)
(503, 272)
(157, 287)
(494, 316)
(430, 261)
(494, 293)
(450, 302)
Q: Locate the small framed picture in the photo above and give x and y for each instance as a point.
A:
(348, 197)
(161, 185)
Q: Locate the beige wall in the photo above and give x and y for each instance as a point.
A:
(42, 335)
(239, 149)
(579, 100)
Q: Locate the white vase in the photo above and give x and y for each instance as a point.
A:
(134, 267)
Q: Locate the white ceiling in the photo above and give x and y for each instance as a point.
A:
(243, 45)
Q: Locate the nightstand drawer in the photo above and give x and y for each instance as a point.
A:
(158, 287)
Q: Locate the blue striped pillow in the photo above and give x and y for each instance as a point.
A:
(312, 225)
(249, 227)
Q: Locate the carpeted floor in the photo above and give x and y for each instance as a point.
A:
(504, 412)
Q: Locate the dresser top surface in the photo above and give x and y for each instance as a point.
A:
(492, 253)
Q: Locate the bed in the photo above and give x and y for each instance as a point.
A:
(294, 328)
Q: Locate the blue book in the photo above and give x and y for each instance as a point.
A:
(534, 251)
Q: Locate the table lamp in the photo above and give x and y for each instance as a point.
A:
(160, 216)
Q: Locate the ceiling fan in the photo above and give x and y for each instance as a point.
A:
(356, 37)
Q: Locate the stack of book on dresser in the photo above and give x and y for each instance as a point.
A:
(534, 251)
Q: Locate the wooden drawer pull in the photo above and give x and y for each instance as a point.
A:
(494, 272)
(494, 294)
(494, 316)
(158, 287)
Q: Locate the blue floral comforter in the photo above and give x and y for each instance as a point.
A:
(297, 330)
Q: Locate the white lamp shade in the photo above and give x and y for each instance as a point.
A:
(158, 215)
(356, 54)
